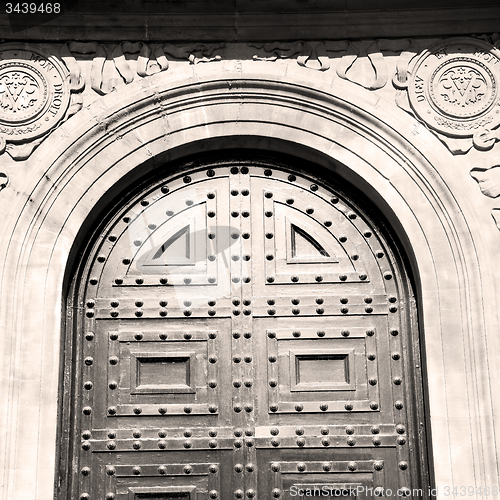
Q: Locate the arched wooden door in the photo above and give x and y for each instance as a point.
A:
(243, 331)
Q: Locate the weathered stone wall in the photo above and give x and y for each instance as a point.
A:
(75, 118)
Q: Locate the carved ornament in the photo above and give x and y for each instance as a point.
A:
(453, 87)
(35, 96)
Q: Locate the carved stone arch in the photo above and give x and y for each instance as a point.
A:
(398, 164)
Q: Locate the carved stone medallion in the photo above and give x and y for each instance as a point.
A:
(34, 92)
(453, 86)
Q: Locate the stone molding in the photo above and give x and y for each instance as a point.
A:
(396, 161)
(395, 66)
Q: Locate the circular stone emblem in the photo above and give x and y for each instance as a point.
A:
(34, 92)
(453, 87)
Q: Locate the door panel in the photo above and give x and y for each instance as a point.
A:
(244, 335)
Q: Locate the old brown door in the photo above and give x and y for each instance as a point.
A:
(242, 331)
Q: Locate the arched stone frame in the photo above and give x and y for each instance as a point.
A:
(402, 167)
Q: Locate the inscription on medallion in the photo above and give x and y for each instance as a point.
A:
(34, 93)
(454, 87)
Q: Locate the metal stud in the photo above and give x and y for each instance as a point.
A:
(403, 465)
(342, 238)
(301, 467)
(90, 336)
(290, 201)
(137, 410)
(273, 408)
(87, 410)
(188, 444)
(213, 469)
(84, 496)
(187, 469)
(86, 445)
(162, 470)
(238, 443)
(400, 429)
(348, 406)
(376, 441)
(111, 434)
(396, 356)
(110, 445)
(323, 407)
(345, 333)
(273, 383)
(371, 357)
(351, 441)
(398, 405)
(325, 431)
(137, 445)
(374, 405)
(188, 409)
(251, 493)
(401, 440)
(296, 334)
(112, 410)
(237, 408)
(85, 471)
(310, 210)
(292, 178)
(314, 187)
(327, 223)
(320, 333)
(325, 441)
(213, 494)
(372, 381)
(110, 496)
(327, 466)
(162, 444)
(352, 466)
(238, 494)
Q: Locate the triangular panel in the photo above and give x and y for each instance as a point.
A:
(304, 246)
